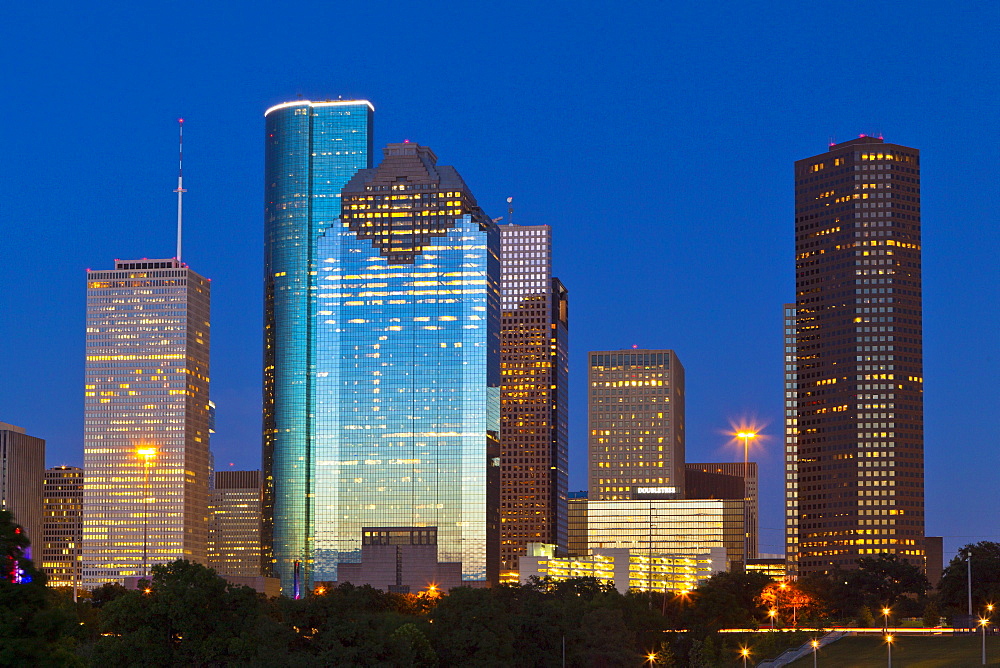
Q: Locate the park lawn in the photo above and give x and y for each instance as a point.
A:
(907, 651)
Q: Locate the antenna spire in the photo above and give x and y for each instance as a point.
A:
(510, 210)
(180, 183)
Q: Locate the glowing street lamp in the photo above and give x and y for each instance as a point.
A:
(746, 436)
(815, 645)
(744, 652)
(147, 454)
(885, 619)
(772, 613)
(983, 623)
(888, 644)
(651, 658)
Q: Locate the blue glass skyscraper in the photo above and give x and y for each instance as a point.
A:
(382, 362)
(311, 150)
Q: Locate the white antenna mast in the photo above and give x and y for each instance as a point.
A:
(180, 183)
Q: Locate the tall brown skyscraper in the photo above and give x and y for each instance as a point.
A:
(856, 474)
(234, 523)
(534, 362)
(635, 417)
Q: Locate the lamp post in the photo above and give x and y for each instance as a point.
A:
(746, 436)
(815, 646)
(888, 644)
(651, 658)
(772, 613)
(968, 570)
(885, 619)
(744, 652)
(147, 455)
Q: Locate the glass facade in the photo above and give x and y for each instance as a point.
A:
(312, 149)
(685, 527)
(382, 381)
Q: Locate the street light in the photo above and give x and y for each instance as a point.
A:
(744, 652)
(147, 455)
(885, 623)
(746, 436)
(772, 613)
(983, 623)
(815, 646)
(651, 658)
(888, 643)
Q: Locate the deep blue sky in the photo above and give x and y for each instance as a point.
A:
(657, 138)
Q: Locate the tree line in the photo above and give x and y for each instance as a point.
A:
(187, 615)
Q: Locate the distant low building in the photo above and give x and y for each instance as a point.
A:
(626, 569)
(22, 478)
(234, 524)
(771, 565)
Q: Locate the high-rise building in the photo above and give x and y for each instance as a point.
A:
(401, 474)
(635, 417)
(726, 480)
(576, 512)
(22, 478)
(312, 149)
(234, 524)
(62, 529)
(534, 362)
(146, 456)
(791, 445)
(857, 478)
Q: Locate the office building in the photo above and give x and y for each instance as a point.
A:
(312, 149)
(626, 569)
(858, 475)
(146, 457)
(400, 482)
(727, 480)
(791, 445)
(534, 362)
(234, 524)
(576, 507)
(62, 528)
(22, 478)
(667, 526)
(635, 417)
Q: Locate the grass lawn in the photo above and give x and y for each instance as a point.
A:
(908, 651)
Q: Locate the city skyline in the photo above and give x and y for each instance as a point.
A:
(712, 247)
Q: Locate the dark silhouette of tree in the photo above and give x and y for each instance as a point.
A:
(953, 587)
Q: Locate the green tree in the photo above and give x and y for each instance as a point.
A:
(727, 600)
(985, 578)
(188, 616)
(34, 631)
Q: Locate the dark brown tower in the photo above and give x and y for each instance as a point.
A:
(856, 474)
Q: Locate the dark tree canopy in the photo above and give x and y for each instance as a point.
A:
(953, 588)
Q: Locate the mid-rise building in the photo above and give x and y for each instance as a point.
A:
(22, 478)
(576, 505)
(62, 529)
(857, 479)
(403, 467)
(534, 361)
(727, 480)
(234, 524)
(146, 454)
(635, 416)
(667, 526)
(626, 569)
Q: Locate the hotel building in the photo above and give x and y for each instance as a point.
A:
(635, 416)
